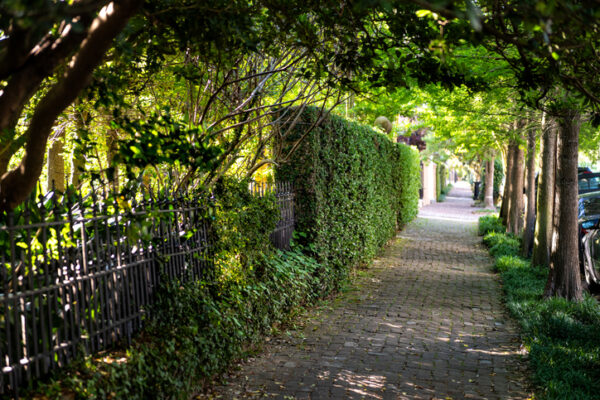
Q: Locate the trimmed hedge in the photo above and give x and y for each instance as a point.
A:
(354, 188)
(441, 176)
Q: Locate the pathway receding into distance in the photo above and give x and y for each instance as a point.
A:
(426, 322)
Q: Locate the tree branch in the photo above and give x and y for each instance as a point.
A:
(18, 183)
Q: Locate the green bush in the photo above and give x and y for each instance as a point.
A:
(561, 336)
(447, 189)
(196, 330)
(441, 177)
(502, 244)
(490, 223)
(504, 263)
(243, 223)
(353, 186)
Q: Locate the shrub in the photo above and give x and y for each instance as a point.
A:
(490, 223)
(197, 328)
(504, 263)
(441, 176)
(501, 244)
(354, 187)
(561, 336)
(447, 189)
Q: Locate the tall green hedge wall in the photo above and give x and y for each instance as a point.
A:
(354, 188)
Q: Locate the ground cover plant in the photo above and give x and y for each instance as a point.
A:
(196, 331)
(195, 328)
(490, 223)
(561, 336)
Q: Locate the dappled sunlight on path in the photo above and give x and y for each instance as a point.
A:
(425, 322)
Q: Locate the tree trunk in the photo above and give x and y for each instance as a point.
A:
(545, 196)
(56, 163)
(507, 182)
(111, 146)
(515, 205)
(530, 213)
(516, 202)
(78, 159)
(489, 184)
(16, 184)
(564, 280)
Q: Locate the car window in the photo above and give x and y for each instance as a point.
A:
(589, 183)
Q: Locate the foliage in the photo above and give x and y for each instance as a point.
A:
(444, 192)
(243, 224)
(354, 187)
(441, 179)
(504, 263)
(407, 183)
(561, 336)
(502, 244)
(490, 223)
(226, 67)
(196, 330)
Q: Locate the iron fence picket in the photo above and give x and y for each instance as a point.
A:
(89, 282)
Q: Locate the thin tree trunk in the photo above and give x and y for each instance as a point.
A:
(56, 163)
(564, 280)
(78, 159)
(111, 146)
(515, 211)
(530, 214)
(507, 182)
(545, 196)
(489, 183)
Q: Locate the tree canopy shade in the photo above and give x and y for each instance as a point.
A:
(51, 50)
(195, 89)
(550, 47)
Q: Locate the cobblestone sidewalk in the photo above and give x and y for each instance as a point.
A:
(426, 322)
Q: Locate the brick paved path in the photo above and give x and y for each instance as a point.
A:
(426, 322)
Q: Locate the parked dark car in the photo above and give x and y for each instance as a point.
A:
(584, 170)
(589, 237)
(589, 210)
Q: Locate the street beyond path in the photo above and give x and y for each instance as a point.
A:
(425, 322)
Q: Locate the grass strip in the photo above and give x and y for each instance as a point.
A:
(562, 337)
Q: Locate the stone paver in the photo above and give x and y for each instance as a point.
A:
(426, 322)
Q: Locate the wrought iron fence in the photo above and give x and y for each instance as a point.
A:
(284, 193)
(80, 273)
